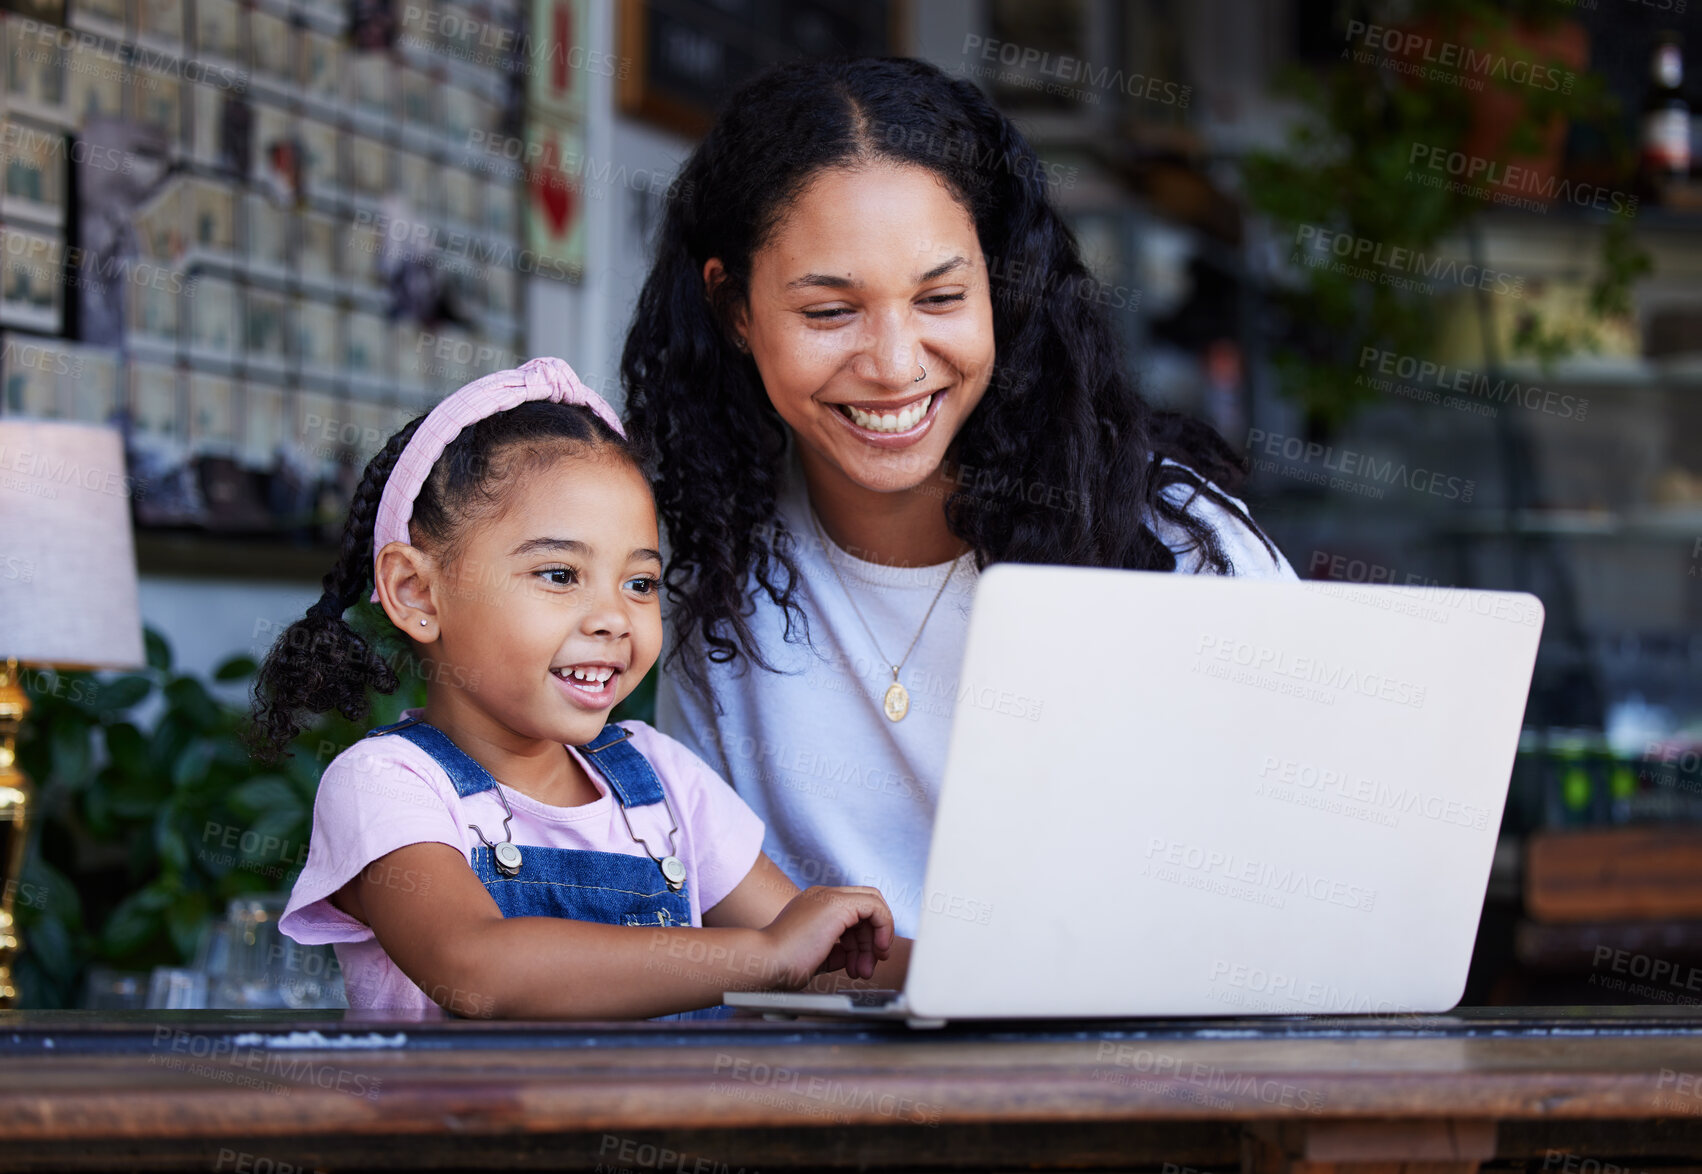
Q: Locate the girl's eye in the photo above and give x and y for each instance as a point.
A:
(820, 315)
(945, 299)
(570, 576)
(645, 584)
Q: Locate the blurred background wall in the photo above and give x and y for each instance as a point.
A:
(1431, 265)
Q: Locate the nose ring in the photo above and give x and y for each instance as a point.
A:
(922, 376)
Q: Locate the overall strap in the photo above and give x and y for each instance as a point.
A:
(629, 774)
(463, 770)
(391, 728)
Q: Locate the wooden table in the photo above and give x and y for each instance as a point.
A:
(259, 1093)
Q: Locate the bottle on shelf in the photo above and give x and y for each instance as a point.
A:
(1665, 125)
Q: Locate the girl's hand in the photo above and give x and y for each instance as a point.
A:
(826, 929)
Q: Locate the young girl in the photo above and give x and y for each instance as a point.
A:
(506, 850)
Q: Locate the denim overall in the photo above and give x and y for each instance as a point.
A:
(609, 887)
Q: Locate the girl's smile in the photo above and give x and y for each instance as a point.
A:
(592, 685)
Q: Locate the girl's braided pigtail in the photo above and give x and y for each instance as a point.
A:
(320, 663)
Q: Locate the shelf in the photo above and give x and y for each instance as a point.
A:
(1652, 522)
(1606, 372)
(1649, 218)
(204, 554)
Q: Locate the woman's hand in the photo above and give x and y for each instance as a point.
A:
(826, 929)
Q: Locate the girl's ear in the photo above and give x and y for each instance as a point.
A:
(406, 579)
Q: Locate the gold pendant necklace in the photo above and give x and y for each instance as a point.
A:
(896, 702)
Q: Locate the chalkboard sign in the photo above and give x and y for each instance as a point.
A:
(687, 56)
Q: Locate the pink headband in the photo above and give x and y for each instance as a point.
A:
(542, 378)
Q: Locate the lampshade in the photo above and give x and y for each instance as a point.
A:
(67, 562)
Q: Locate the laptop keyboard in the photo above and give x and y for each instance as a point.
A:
(871, 998)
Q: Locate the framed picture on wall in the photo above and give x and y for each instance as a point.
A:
(502, 291)
(212, 415)
(266, 329)
(32, 284)
(35, 75)
(266, 239)
(157, 104)
(416, 95)
(152, 321)
(555, 214)
(316, 337)
(160, 225)
(213, 320)
(96, 391)
(154, 408)
(158, 448)
(218, 32)
(320, 162)
(365, 347)
(374, 423)
(460, 113)
(321, 68)
(450, 361)
(212, 220)
(421, 181)
(316, 257)
(368, 89)
(500, 205)
(33, 184)
(369, 167)
(674, 63)
(271, 42)
(159, 23)
(30, 378)
(358, 259)
(312, 411)
(265, 424)
(205, 110)
(410, 357)
(272, 163)
(460, 196)
(108, 17)
(93, 87)
(555, 90)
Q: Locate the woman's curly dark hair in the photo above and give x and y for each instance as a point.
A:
(321, 663)
(1058, 411)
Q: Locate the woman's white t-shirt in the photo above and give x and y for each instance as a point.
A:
(848, 796)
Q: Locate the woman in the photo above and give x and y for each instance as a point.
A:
(871, 363)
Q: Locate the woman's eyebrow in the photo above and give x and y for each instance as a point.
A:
(828, 280)
(940, 270)
(574, 546)
(832, 282)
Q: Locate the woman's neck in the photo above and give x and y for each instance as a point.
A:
(902, 528)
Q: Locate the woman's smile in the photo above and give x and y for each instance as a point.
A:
(893, 423)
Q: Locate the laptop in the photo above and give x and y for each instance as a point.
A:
(1234, 797)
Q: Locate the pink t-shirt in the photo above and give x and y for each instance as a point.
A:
(384, 793)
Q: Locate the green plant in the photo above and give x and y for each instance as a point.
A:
(144, 827)
(1347, 167)
(142, 832)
